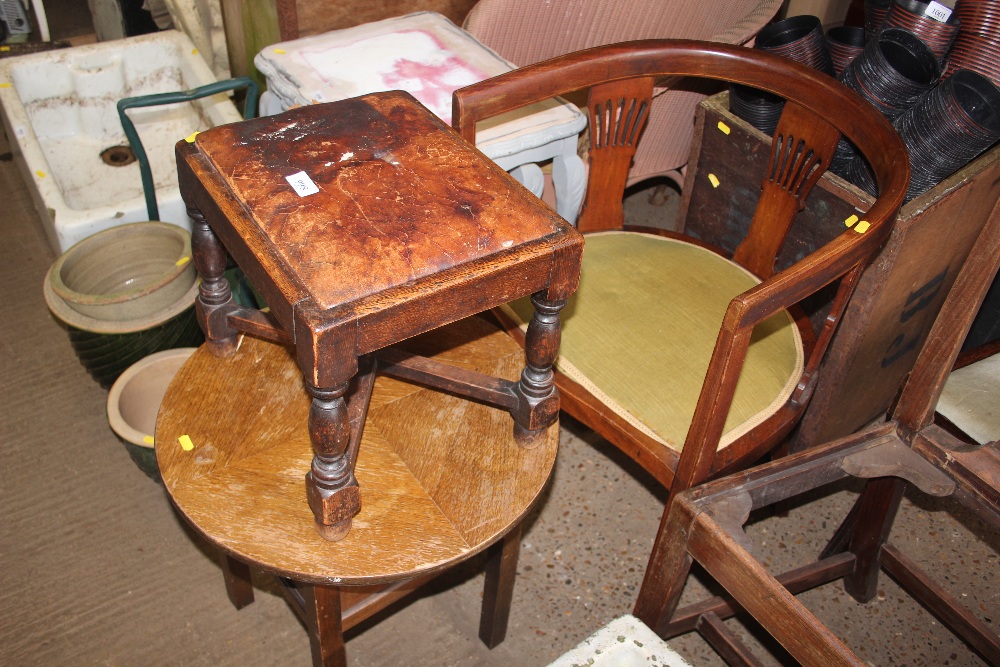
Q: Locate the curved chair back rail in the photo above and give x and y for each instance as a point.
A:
(621, 80)
(526, 31)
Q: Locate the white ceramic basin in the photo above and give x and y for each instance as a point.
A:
(59, 113)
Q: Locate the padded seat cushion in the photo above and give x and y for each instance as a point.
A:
(640, 331)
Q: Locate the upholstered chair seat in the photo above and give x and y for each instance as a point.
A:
(640, 331)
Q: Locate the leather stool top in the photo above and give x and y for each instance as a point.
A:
(346, 200)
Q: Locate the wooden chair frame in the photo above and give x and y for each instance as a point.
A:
(621, 79)
(705, 524)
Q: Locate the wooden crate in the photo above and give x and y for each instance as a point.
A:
(899, 294)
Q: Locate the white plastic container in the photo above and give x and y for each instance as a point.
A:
(59, 112)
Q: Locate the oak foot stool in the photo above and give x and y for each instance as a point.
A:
(362, 223)
(443, 480)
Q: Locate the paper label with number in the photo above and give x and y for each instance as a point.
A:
(302, 184)
(938, 11)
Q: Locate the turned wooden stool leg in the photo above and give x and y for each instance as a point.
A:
(236, 574)
(498, 591)
(323, 621)
(539, 400)
(333, 492)
(215, 298)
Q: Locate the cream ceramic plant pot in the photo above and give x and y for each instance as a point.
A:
(125, 273)
(125, 293)
(134, 401)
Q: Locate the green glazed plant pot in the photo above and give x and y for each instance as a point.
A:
(134, 401)
(113, 320)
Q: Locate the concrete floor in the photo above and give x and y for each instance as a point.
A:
(96, 568)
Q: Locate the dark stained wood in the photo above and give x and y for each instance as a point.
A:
(398, 196)
(434, 496)
(404, 366)
(739, 159)
(326, 636)
(794, 581)
(258, 323)
(762, 596)
(896, 459)
(906, 448)
(656, 459)
(617, 111)
(801, 150)
(725, 642)
(621, 75)
(362, 602)
(969, 357)
(942, 604)
(236, 576)
(975, 469)
(362, 223)
(215, 297)
(876, 512)
(501, 569)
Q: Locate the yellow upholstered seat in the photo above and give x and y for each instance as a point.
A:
(640, 331)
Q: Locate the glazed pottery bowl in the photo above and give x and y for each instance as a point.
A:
(125, 272)
(106, 346)
(135, 399)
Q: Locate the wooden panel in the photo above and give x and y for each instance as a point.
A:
(899, 295)
(250, 25)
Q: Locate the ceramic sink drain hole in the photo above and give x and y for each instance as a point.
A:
(118, 156)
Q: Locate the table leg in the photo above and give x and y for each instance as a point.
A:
(323, 621)
(215, 298)
(530, 176)
(498, 590)
(236, 575)
(539, 400)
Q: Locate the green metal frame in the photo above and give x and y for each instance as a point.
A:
(159, 99)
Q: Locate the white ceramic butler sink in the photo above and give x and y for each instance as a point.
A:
(60, 116)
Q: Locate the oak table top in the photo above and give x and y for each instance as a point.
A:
(442, 477)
